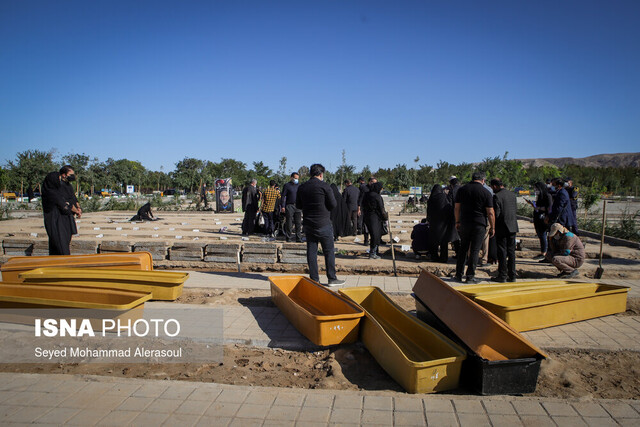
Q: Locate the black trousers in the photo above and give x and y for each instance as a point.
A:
(293, 217)
(506, 244)
(324, 236)
(353, 217)
(249, 222)
(471, 237)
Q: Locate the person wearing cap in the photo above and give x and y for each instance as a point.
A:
(566, 251)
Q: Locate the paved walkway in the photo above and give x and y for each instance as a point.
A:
(95, 400)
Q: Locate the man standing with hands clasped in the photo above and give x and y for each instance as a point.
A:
(473, 208)
(316, 200)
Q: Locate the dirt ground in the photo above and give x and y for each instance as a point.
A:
(567, 374)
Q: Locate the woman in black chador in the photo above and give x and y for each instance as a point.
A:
(59, 205)
(438, 208)
(340, 215)
(374, 216)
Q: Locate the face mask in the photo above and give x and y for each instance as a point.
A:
(71, 178)
(295, 181)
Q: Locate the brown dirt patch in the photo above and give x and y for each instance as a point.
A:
(567, 374)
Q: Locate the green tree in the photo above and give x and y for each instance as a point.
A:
(30, 168)
(80, 164)
(262, 173)
(282, 170)
(188, 173)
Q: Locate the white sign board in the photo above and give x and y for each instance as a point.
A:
(415, 190)
(130, 189)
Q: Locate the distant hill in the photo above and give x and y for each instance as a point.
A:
(617, 160)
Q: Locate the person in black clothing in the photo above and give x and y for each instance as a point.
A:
(541, 208)
(420, 238)
(250, 203)
(316, 200)
(144, 213)
(374, 215)
(293, 215)
(438, 209)
(505, 205)
(474, 205)
(340, 215)
(59, 205)
(573, 202)
(452, 232)
(350, 195)
(363, 188)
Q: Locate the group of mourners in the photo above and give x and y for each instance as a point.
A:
(357, 210)
(480, 222)
(477, 219)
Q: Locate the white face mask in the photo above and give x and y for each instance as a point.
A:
(295, 181)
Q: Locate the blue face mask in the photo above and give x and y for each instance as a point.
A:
(295, 181)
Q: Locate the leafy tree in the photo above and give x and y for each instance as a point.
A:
(262, 173)
(234, 169)
(303, 171)
(30, 168)
(80, 165)
(188, 173)
(123, 172)
(282, 169)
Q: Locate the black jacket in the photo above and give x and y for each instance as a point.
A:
(351, 195)
(505, 205)
(250, 198)
(316, 200)
(289, 193)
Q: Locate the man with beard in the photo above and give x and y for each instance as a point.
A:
(59, 205)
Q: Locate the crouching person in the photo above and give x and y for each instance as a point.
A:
(566, 251)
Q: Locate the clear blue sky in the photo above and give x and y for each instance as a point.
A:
(157, 81)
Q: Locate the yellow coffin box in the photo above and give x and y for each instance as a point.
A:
(22, 295)
(98, 304)
(124, 261)
(163, 285)
(323, 316)
(542, 308)
(419, 358)
(473, 291)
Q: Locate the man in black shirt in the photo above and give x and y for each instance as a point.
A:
(474, 205)
(293, 215)
(505, 206)
(316, 200)
(350, 194)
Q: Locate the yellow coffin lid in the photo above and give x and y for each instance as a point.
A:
(21, 295)
(163, 285)
(125, 260)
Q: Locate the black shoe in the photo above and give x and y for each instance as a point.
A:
(457, 279)
(563, 275)
(511, 280)
(498, 279)
(472, 281)
(538, 258)
(573, 274)
(544, 261)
